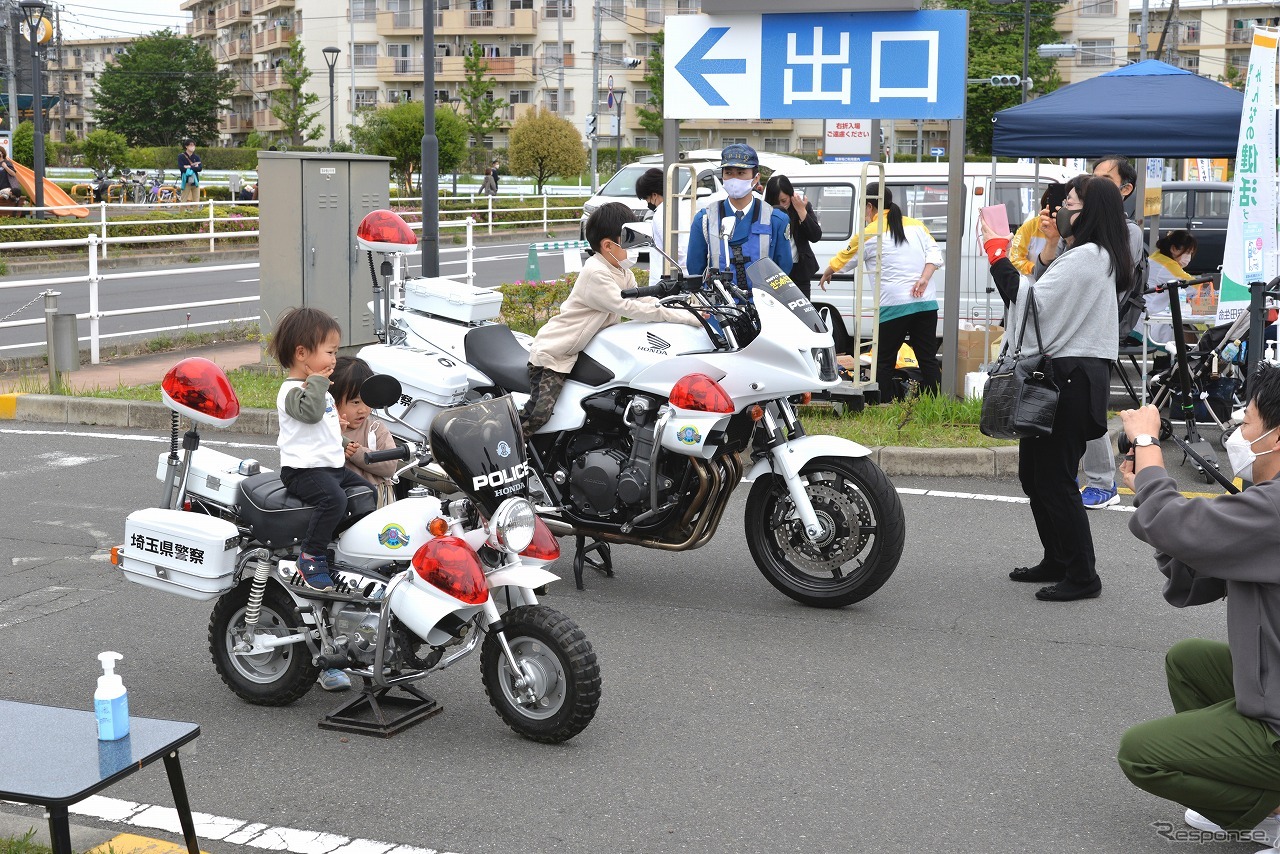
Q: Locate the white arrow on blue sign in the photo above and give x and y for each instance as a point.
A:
(886, 65)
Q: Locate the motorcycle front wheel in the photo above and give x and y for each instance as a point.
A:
(276, 677)
(556, 657)
(864, 530)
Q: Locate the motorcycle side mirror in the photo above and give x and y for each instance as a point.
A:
(634, 236)
(727, 224)
(380, 391)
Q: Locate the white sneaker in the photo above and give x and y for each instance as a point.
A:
(1267, 831)
(334, 679)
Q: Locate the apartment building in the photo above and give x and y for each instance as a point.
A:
(73, 68)
(1205, 37)
(381, 61)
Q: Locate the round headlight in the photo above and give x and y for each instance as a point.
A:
(512, 527)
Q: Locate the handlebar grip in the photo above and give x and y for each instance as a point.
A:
(400, 452)
(650, 291)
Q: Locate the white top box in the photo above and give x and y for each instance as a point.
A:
(454, 300)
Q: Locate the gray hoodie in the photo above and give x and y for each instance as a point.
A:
(1227, 546)
(1076, 299)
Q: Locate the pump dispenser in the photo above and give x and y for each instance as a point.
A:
(111, 701)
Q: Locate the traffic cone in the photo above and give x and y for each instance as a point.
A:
(532, 272)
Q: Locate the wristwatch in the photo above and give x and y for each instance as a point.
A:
(1142, 440)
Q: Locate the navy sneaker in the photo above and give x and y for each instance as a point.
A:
(315, 572)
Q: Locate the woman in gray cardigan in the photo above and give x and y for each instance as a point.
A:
(1076, 302)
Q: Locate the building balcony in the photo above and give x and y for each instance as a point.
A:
(236, 13)
(400, 23)
(642, 21)
(265, 120)
(465, 22)
(394, 69)
(262, 7)
(513, 112)
(68, 85)
(232, 123)
(243, 89)
(266, 81)
(502, 69)
(201, 26)
(272, 38)
(189, 5)
(549, 104)
(63, 111)
(234, 51)
(745, 125)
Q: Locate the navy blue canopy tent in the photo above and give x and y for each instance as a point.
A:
(1149, 109)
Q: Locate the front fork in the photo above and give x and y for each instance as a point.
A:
(784, 467)
(523, 684)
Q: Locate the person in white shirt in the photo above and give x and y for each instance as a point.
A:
(908, 297)
(649, 190)
(312, 462)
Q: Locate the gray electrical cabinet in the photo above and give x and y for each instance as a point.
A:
(309, 206)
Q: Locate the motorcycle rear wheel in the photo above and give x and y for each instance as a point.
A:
(277, 677)
(564, 668)
(865, 525)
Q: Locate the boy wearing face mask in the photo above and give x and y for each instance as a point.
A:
(1173, 253)
(595, 302)
(1218, 753)
(760, 231)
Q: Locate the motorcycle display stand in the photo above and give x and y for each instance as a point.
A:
(602, 563)
(371, 711)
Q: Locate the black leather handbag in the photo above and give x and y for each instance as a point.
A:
(1020, 398)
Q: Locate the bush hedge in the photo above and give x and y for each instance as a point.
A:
(528, 305)
(243, 218)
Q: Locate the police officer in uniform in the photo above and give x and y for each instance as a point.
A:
(760, 230)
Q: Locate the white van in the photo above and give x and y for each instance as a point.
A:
(921, 190)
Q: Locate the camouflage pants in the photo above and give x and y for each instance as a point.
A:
(545, 386)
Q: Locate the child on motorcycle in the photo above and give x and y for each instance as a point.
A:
(595, 302)
(312, 461)
(361, 431)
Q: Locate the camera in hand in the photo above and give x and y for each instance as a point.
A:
(1123, 444)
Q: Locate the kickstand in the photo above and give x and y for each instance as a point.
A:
(373, 712)
(602, 563)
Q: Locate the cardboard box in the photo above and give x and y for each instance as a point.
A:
(966, 365)
(979, 344)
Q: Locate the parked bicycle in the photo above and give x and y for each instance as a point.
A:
(159, 192)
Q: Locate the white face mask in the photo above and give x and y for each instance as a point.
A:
(1241, 455)
(738, 188)
(1183, 259)
(626, 263)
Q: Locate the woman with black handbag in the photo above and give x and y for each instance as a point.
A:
(1075, 300)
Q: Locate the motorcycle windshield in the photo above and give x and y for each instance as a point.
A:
(480, 447)
(767, 277)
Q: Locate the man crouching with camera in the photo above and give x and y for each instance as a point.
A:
(1219, 754)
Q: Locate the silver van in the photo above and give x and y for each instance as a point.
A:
(921, 190)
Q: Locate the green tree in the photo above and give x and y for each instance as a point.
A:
(1234, 77)
(164, 88)
(24, 144)
(292, 106)
(104, 149)
(476, 93)
(542, 145)
(995, 47)
(650, 112)
(396, 132)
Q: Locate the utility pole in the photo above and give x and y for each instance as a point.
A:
(1026, 48)
(1143, 29)
(560, 102)
(618, 156)
(429, 182)
(595, 98)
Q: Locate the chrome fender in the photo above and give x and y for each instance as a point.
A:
(806, 448)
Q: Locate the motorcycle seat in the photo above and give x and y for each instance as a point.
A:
(494, 350)
(279, 520)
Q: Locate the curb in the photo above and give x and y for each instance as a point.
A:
(998, 463)
(91, 840)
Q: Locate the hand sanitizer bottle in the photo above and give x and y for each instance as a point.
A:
(111, 701)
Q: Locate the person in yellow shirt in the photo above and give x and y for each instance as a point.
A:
(1173, 253)
(1029, 239)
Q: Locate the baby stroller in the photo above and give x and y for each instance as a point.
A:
(1215, 366)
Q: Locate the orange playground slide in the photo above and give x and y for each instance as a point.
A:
(53, 195)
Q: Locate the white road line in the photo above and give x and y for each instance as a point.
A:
(978, 496)
(237, 832)
(162, 439)
(246, 281)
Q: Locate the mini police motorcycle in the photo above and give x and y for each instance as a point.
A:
(649, 436)
(420, 583)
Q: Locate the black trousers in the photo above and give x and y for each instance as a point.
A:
(921, 330)
(326, 490)
(1047, 467)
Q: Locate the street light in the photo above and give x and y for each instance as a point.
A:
(33, 11)
(331, 59)
(1071, 51)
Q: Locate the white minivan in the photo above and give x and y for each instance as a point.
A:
(921, 190)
